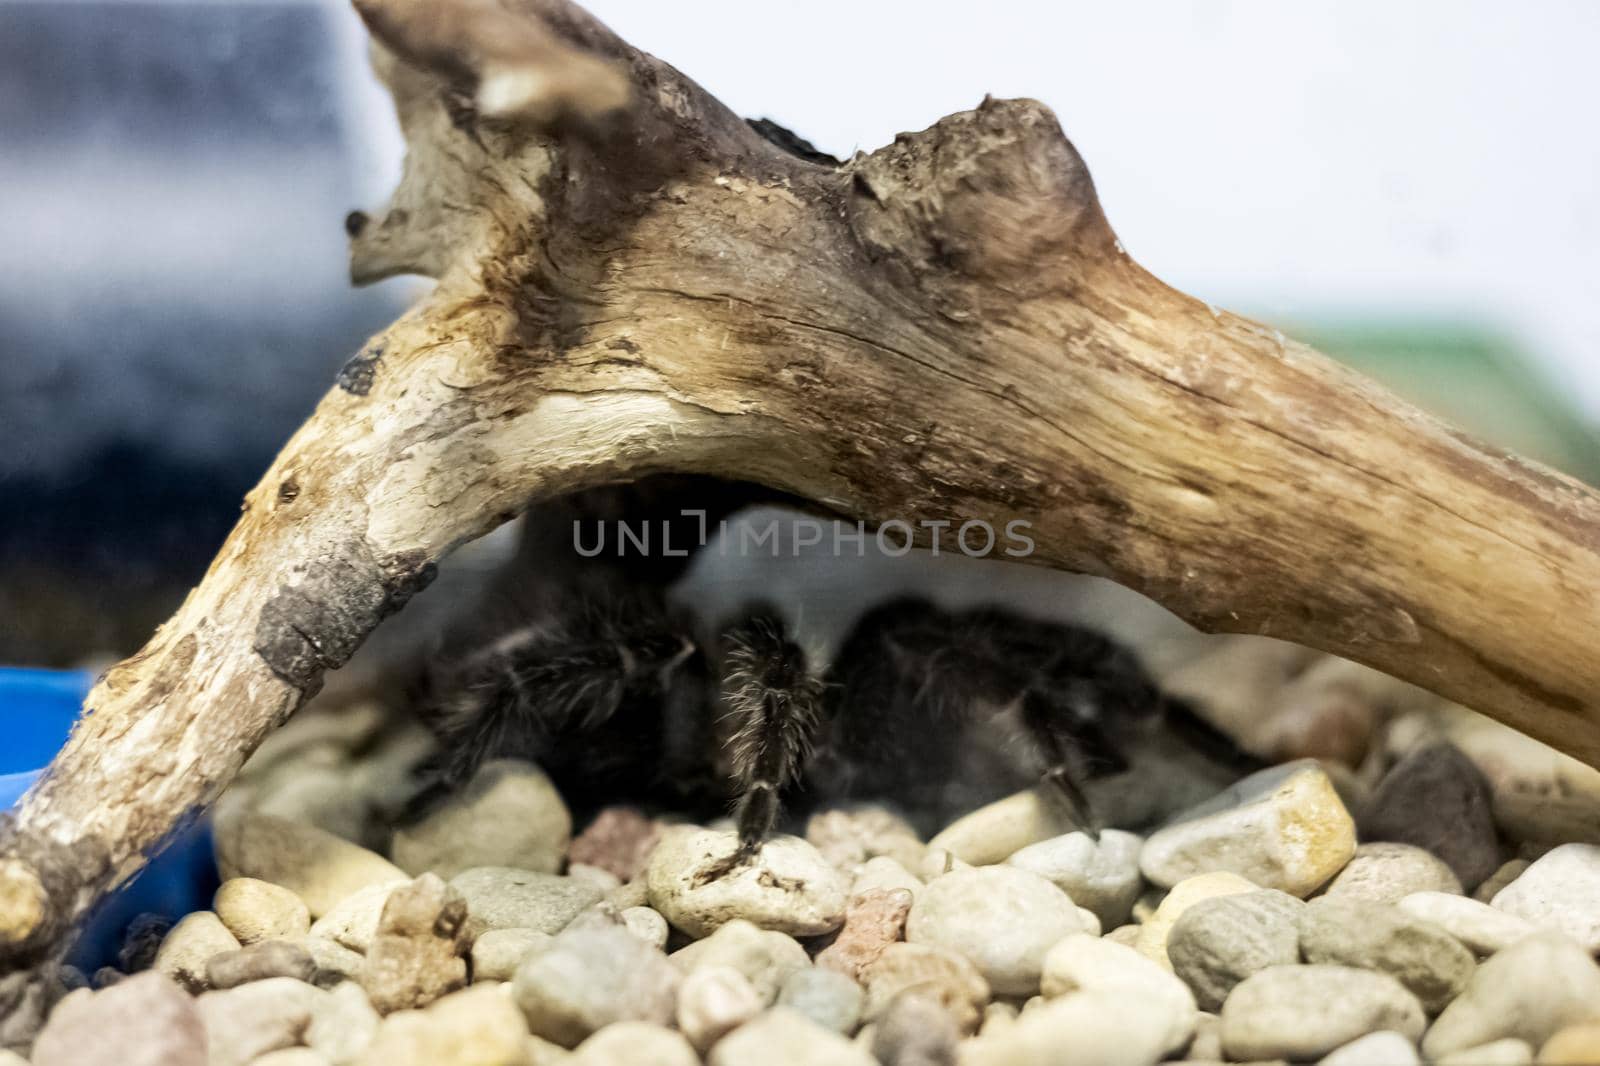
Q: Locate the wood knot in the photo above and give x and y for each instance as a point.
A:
(995, 194)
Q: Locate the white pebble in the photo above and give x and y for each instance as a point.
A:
(1001, 918)
(788, 887)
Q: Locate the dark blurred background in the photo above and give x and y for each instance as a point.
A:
(1406, 186)
(173, 295)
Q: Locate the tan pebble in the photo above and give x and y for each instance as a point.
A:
(1576, 1045)
(1125, 934)
(1152, 939)
(991, 834)
(631, 1043)
(996, 1017)
(190, 945)
(1507, 1052)
(255, 910)
(945, 975)
(1283, 827)
(320, 868)
(874, 920)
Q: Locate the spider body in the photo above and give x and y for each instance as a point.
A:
(935, 711)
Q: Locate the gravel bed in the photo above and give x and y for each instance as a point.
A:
(1415, 909)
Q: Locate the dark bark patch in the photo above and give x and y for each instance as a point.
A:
(357, 375)
(319, 622)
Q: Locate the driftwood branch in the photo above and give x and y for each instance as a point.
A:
(632, 281)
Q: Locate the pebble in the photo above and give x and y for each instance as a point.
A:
(1305, 1012)
(589, 978)
(479, 1026)
(258, 962)
(497, 953)
(1283, 827)
(1530, 991)
(1102, 875)
(635, 1044)
(1104, 1028)
(1124, 934)
(1506, 1052)
(255, 910)
(940, 974)
(145, 1020)
(936, 862)
(1207, 1043)
(1385, 1048)
(499, 897)
(1576, 1045)
(540, 1052)
(766, 958)
(646, 924)
(334, 962)
(788, 887)
(1001, 918)
(874, 920)
(631, 894)
(1437, 799)
(880, 871)
(712, 1002)
(619, 840)
(783, 1037)
(353, 921)
(190, 945)
(416, 956)
(508, 814)
(1508, 872)
(996, 1017)
(1561, 892)
(325, 796)
(291, 1056)
(343, 1023)
(317, 866)
(915, 1031)
(1387, 873)
(851, 837)
(603, 879)
(1082, 963)
(1218, 942)
(827, 997)
(246, 1022)
(1434, 965)
(1477, 925)
(1155, 930)
(994, 833)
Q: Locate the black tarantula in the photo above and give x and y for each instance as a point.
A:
(936, 711)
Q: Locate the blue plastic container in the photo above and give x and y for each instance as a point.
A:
(37, 710)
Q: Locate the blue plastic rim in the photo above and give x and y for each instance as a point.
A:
(37, 709)
(37, 712)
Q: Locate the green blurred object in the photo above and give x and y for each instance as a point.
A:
(1473, 378)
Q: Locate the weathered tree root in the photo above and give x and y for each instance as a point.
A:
(945, 329)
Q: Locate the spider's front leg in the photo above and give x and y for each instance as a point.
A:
(1085, 692)
(771, 710)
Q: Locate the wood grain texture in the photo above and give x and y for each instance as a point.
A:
(946, 328)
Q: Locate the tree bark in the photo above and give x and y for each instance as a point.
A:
(945, 329)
